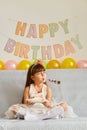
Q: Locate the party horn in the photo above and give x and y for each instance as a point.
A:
(54, 81)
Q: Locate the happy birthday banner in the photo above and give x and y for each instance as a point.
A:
(39, 31)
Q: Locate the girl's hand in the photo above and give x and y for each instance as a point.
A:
(48, 104)
(28, 103)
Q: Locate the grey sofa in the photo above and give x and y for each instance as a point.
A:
(72, 89)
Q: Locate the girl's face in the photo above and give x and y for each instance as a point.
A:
(39, 77)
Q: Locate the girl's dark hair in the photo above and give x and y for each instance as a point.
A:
(32, 70)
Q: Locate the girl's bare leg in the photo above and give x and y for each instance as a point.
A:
(64, 105)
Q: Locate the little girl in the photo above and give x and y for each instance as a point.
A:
(37, 98)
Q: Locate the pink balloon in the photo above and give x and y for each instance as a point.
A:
(82, 64)
(11, 65)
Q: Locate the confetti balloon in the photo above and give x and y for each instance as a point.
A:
(24, 65)
(69, 63)
(82, 64)
(11, 65)
(53, 64)
(1, 65)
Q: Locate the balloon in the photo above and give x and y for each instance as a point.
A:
(11, 65)
(82, 64)
(69, 63)
(1, 65)
(53, 64)
(43, 62)
(24, 65)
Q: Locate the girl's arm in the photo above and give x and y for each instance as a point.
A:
(48, 97)
(26, 95)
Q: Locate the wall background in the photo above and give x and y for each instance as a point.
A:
(69, 18)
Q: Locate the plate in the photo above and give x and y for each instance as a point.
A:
(36, 100)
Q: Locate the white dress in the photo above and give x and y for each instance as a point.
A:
(37, 97)
(38, 111)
